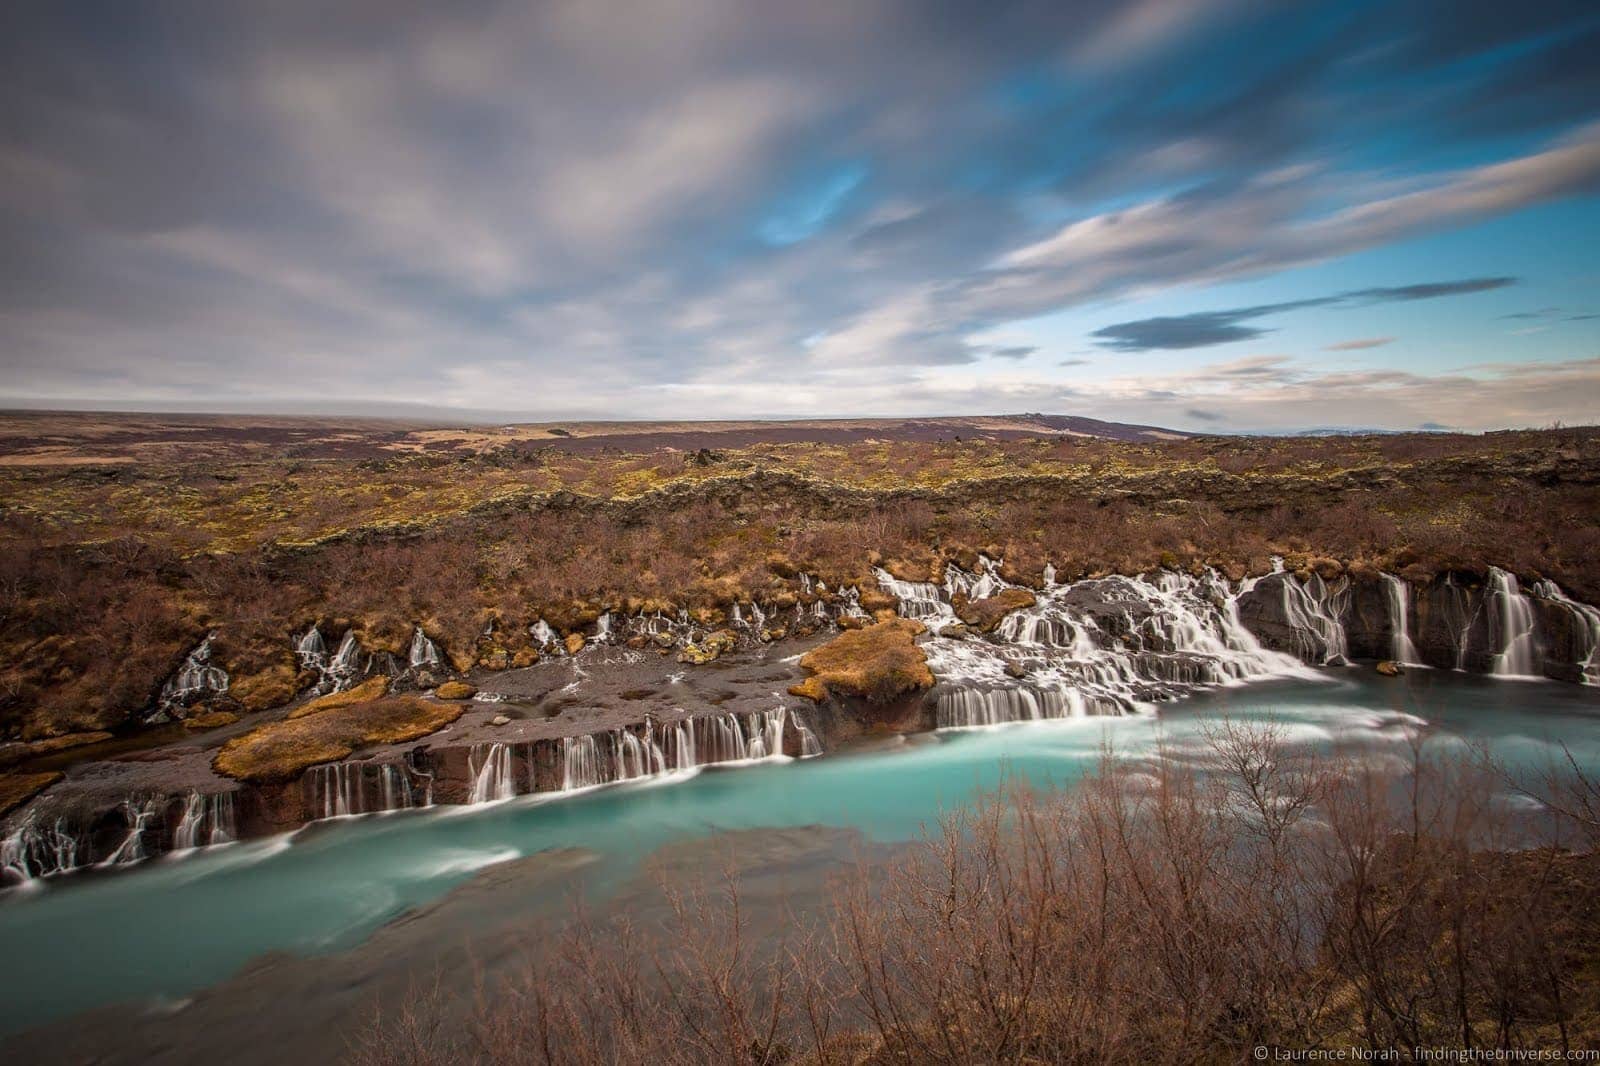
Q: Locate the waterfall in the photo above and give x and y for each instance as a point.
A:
(490, 767)
(765, 732)
(638, 756)
(139, 815)
(968, 708)
(809, 744)
(1099, 646)
(342, 789)
(32, 850)
(542, 634)
(395, 788)
(921, 600)
(1315, 610)
(208, 818)
(196, 679)
(423, 651)
(1588, 624)
(1514, 618)
(311, 650)
(678, 747)
(602, 628)
(335, 790)
(346, 664)
(1398, 594)
(580, 763)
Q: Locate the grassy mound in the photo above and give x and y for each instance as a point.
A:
(985, 614)
(878, 662)
(282, 750)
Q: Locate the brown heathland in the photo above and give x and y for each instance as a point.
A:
(110, 574)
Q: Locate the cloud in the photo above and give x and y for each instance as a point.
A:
(1013, 352)
(1359, 344)
(1203, 416)
(1205, 328)
(569, 208)
(1198, 330)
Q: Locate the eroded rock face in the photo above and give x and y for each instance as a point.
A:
(1480, 623)
(1303, 617)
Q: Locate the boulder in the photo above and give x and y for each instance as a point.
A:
(986, 614)
(1390, 668)
(456, 690)
(575, 643)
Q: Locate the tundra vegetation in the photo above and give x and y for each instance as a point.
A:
(1181, 908)
(110, 572)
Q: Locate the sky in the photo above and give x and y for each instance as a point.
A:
(1212, 215)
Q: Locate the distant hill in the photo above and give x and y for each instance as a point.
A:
(48, 438)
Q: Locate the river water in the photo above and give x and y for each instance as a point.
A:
(159, 931)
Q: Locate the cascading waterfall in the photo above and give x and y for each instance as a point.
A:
(196, 679)
(968, 708)
(140, 814)
(424, 652)
(1398, 595)
(810, 746)
(311, 650)
(1101, 646)
(580, 763)
(342, 789)
(1588, 629)
(32, 850)
(208, 818)
(490, 767)
(921, 600)
(677, 745)
(1315, 610)
(1514, 618)
(543, 635)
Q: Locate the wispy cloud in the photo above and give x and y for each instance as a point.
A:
(1359, 344)
(1205, 328)
(569, 208)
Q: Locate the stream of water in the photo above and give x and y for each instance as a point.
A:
(169, 926)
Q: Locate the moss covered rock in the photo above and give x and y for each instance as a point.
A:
(456, 690)
(985, 614)
(370, 689)
(879, 663)
(283, 750)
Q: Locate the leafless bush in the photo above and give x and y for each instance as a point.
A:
(1157, 911)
